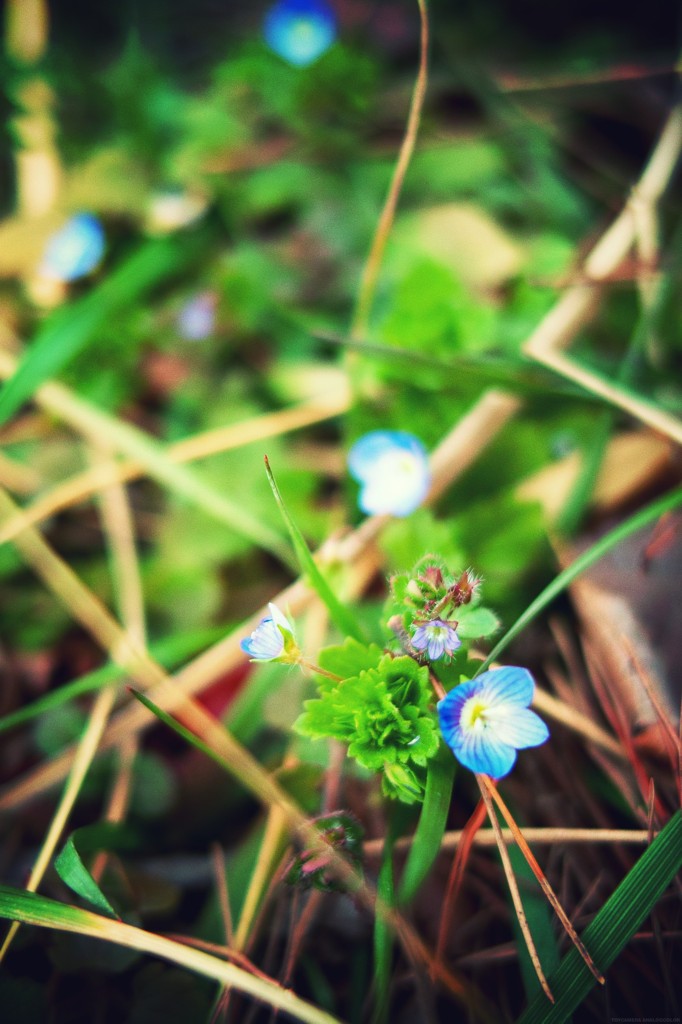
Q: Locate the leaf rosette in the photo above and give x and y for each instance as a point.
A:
(382, 713)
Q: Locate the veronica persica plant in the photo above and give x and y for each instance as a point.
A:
(486, 720)
(393, 470)
(300, 31)
(74, 250)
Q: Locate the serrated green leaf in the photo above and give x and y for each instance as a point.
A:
(349, 658)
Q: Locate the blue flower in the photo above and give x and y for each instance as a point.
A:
(437, 638)
(300, 31)
(486, 720)
(272, 639)
(393, 469)
(196, 319)
(75, 249)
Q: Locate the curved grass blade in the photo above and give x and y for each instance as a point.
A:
(614, 925)
(29, 908)
(71, 869)
(564, 579)
(341, 617)
(431, 827)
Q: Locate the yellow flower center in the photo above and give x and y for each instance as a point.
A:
(473, 714)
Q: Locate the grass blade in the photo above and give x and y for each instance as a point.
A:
(431, 827)
(342, 618)
(37, 910)
(647, 515)
(614, 925)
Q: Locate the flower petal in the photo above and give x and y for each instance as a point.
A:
(483, 751)
(265, 643)
(509, 685)
(369, 449)
(450, 710)
(518, 726)
(75, 249)
(280, 619)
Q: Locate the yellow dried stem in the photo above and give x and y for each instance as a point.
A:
(542, 879)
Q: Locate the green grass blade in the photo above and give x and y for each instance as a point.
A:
(564, 579)
(431, 827)
(341, 617)
(75, 326)
(170, 653)
(383, 937)
(614, 925)
(71, 869)
(30, 908)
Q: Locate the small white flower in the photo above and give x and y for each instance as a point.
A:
(393, 469)
(267, 642)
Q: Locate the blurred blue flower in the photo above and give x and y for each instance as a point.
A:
(393, 469)
(268, 642)
(75, 249)
(437, 638)
(486, 720)
(300, 31)
(196, 319)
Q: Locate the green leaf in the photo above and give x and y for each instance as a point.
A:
(476, 623)
(342, 618)
(350, 658)
(613, 927)
(71, 869)
(431, 827)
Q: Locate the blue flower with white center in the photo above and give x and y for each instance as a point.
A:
(393, 470)
(75, 249)
(272, 639)
(437, 638)
(300, 31)
(486, 720)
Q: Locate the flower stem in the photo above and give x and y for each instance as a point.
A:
(312, 667)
